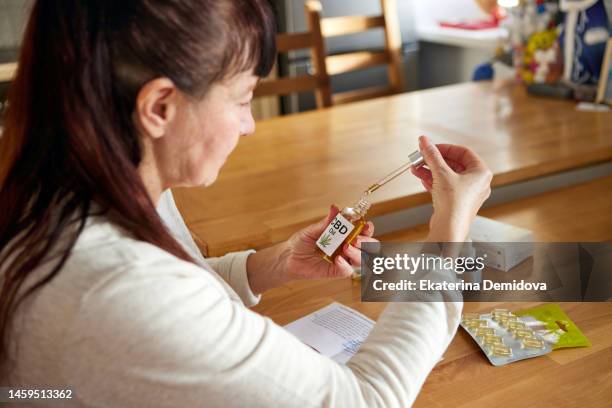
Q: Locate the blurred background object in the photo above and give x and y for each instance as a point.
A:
(604, 88)
(559, 43)
(431, 55)
(292, 19)
(343, 63)
(488, 6)
(584, 36)
(12, 22)
(533, 27)
(442, 42)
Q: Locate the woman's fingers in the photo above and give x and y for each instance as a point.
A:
(368, 230)
(461, 155)
(315, 230)
(361, 239)
(425, 176)
(422, 173)
(352, 254)
(428, 186)
(452, 152)
(463, 179)
(432, 156)
(342, 267)
(333, 211)
(457, 167)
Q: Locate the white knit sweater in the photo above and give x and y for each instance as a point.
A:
(125, 324)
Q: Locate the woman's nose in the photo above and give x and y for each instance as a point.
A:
(247, 125)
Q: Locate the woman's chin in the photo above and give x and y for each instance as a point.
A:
(203, 179)
(207, 180)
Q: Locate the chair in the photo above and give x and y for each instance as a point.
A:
(353, 61)
(317, 82)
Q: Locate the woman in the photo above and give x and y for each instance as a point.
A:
(114, 103)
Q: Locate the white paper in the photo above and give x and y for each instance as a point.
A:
(336, 331)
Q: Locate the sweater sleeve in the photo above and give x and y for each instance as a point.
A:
(162, 334)
(231, 267)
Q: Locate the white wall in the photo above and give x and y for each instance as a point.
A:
(444, 60)
(12, 22)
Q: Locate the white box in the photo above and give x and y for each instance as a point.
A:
(493, 241)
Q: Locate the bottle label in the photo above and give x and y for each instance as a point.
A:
(335, 234)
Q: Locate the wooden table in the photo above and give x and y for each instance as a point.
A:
(287, 174)
(579, 213)
(564, 378)
(7, 71)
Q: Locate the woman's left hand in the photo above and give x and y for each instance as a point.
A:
(304, 261)
(298, 257)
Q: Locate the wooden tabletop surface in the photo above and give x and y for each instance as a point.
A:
(564, 378)
(579, 213)
(7, 71)
(287, 174)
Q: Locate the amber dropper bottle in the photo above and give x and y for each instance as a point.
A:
(349, 222)
(343, 229)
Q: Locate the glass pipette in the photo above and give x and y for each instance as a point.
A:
(416, 160)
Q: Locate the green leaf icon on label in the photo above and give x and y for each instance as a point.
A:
(325, 240)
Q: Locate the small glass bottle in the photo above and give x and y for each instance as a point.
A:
(350, 221)
(343, 229)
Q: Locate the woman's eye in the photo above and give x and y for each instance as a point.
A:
(246, 104)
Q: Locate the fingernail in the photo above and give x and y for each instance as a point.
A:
(343, 261)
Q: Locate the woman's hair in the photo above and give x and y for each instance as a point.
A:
(69, 137)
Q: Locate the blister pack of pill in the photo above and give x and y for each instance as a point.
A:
(504, 337)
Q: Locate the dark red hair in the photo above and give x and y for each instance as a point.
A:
(69, 137)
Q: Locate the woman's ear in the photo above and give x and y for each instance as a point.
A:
(156, 106)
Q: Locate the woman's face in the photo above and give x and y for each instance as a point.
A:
(202, 133)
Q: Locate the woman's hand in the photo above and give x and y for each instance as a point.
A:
(305, 262)
(459, 183)
(298, 257)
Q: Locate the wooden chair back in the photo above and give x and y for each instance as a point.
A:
(352, 61)
(318, 81)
